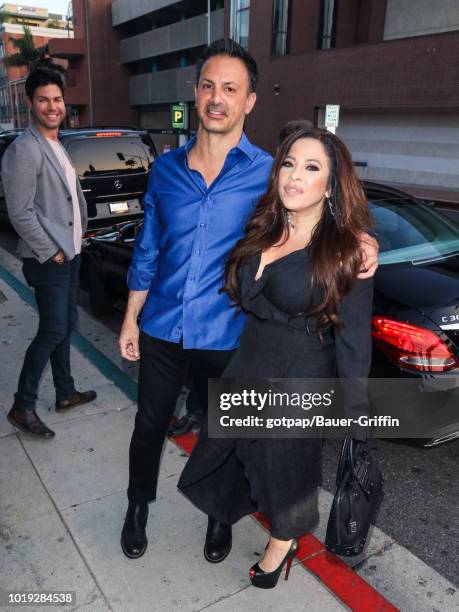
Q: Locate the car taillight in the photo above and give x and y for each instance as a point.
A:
(89, 234)
(412, 347)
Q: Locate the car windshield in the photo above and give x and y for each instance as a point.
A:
(409, 231)
(110, 155)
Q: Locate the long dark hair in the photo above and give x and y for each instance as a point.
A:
(335, 255)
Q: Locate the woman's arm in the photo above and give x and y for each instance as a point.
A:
(353, 345)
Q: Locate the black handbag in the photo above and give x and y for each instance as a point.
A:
(359, 488)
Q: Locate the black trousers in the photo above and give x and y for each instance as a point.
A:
(194, 407)
(162, 369)
(56, 289)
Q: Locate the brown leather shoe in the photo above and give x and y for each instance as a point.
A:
(78, 398)
(30, 423)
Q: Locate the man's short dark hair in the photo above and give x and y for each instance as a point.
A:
(293, 126)
(40, 78)
(229, 47)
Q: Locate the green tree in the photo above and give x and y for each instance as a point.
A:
(27, 54)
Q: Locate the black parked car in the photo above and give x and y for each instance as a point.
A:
(113, 166)
(105, 261)
(416, 303)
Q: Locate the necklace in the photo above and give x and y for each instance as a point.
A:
(289, 220)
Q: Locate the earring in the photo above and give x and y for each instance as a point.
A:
(331, 207)
(289, 219)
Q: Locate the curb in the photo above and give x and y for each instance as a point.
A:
(347, 586)
(339, 578)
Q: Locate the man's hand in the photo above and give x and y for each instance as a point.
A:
(129, 335)
(59, 257)
(370, 250)
(129, 340)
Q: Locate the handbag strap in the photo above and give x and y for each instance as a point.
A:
(345, 459)
(361, 473)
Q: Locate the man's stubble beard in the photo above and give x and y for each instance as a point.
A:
(228, 129)
(41, 122)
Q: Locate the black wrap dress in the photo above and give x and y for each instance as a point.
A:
(230, 478)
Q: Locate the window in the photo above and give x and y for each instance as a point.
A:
(328, 16)
(122, 155)
(240, 12)
(280, 41)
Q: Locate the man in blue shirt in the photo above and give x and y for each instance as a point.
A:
(198, 200)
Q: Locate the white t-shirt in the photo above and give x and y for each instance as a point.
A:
(70, 175)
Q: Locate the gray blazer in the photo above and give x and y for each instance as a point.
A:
(38, 198)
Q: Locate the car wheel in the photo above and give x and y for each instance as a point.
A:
(100, 301)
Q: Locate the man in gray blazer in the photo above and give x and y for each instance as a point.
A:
(48, 211)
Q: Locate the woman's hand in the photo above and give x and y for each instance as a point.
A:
(370, 250)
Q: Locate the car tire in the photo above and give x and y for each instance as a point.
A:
(100, 300)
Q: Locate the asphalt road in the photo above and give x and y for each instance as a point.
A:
(419, 510)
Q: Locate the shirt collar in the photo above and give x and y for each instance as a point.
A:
(244, 145)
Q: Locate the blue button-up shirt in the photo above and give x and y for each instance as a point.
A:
(188, 231)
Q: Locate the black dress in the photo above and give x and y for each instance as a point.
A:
(230, 478)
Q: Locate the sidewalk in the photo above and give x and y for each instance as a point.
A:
(62, 505)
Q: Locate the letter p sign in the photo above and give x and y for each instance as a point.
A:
(178, 112)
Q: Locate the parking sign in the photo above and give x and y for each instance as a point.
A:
(331, 115)
(179, 116)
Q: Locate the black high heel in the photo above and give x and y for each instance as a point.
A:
(268, 580)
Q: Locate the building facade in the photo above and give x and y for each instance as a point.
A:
(97, 85)
(160, 43)
(43, 26)
(391, 65)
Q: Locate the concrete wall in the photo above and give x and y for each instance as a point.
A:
(125, 10)
(181, 35)
(167, 86)
(417, 147)
(406, 18)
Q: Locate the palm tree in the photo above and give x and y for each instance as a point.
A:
(27, 53)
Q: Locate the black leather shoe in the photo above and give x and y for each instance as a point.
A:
(184, 425)
(78, 398)
(133, 538)
(30, 423)
(218, 541)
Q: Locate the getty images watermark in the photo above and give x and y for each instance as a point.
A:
(252, 399)
(311, 408)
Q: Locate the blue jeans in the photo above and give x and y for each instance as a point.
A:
(56, 289)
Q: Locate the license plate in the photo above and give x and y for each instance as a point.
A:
(118, 207)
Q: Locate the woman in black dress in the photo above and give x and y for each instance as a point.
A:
(295, 275)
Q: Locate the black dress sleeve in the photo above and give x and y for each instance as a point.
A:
(353, 345)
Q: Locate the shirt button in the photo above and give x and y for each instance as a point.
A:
(198, 252)
(202, 225)
(69, 198)
(70, 223)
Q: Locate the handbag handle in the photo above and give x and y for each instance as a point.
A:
(344, 459)
(347, 459)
